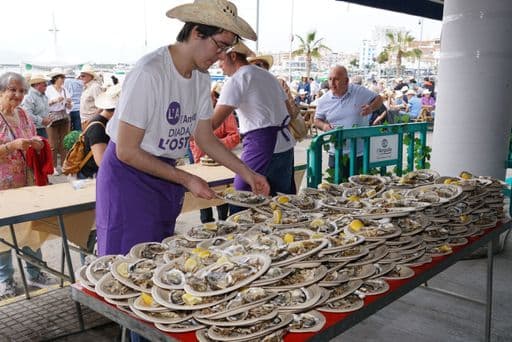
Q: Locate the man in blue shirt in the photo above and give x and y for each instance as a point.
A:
(413, 105)
(74, 87)
(345, 105)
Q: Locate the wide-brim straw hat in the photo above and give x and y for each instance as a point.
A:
(56, 72)
(426, 92)
(265, 58)
(218, 13)
(38, 78)
(242, 49)
(109, 98)
(88, 69)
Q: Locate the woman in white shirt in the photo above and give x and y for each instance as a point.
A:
(60, 104)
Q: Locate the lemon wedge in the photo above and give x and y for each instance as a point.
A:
(228, 191)
(146, 298)
(445, 248)
(356, 225)
(122, 269)
(316, 223)
(317, 236)
(283, 199)
(353, 198)
(236, 218)
(277, 216)
(230, 237)
(447, 181)
(204, 254)
(190, 264)
(465, 175)
(210, 226)
(288, 238)
(464, 218)
(273, 205)
(222, 259)
(190, 299)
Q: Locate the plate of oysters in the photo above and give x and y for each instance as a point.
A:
(211, 230)
(181, 300)
(242, 316)
(435, 193)
(249, 217)
(99, 267)
(149, 250)
(349, 303)
(297, 299)
(298, 250)
(166, 316)
(109, 287)
(242, 198)
(81, 276)
(296, 202)
(311, 321)
(181, 327)
(135, 273)
(300, 277)
(252, 331)
(228, 275)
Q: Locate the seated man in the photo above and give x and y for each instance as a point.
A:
(413, 105)
(302, 99)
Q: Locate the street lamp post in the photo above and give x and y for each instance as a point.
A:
(418, 69)
(291, 46)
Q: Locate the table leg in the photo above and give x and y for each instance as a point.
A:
(62, 262)
(65, 247)
(488, 306)
(20, 264)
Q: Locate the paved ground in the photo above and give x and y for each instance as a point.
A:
(418, 316)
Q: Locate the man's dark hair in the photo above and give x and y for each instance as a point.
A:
(114, 79)
(205, 30)
(55, 78)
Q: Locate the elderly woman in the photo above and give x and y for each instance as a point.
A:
(60, 103)
(17, 135)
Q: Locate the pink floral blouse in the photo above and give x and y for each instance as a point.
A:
(13, 168)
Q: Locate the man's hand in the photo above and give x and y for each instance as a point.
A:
(46, 121)
(258, 183)
(199, 188)
(365, 110)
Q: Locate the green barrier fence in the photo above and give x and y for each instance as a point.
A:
(382, 146)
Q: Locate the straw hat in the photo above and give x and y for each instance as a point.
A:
(426, 92)
(217, 87)
(109, 98)
(38, 78)
(56, 72)
(410, 92)
(88, 69)
(242, 49)
(303, 92)
(404, 89)
(218, 13)
(265, 58)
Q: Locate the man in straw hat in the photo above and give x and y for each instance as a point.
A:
(262, 111)
(91, 90)
(35, 103)
(165, 100)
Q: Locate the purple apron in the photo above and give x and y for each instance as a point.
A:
(258, 148)
(133, 206)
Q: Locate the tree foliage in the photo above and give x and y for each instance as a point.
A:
(310, 47)
(399, 47)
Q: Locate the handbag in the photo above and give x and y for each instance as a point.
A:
(59, 116)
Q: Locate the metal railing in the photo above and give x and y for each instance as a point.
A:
(389, 153)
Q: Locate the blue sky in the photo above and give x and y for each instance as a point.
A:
(117, 31)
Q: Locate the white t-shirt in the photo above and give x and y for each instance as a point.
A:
(260, 102)
(52, 93)
(156, 98)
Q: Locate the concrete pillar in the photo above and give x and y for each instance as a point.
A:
(474, 106)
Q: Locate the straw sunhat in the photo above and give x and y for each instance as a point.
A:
(89, 70)
(426, 92)
(56, 72)
(242, 49)
(265, 58)
(109, 98)
(38, 78)
(218, 13)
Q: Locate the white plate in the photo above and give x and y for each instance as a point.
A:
(344, 290)
(182, 327)
(399, 272)
(373, 287)
(363, 271)
(262, 199)
(374, 255)
(210, 233)
(349, 303)
(311, 296)
(161, 296)
(285, 320)
(160, 271)
(148, 316)
(139, 304)
(317, 317)
(317, 272)
(289, 206)
(235, 323)
(126, 281)
(284, 271)
(456, 190)
(356, 252)
(81, 276)
(102, 290)
(95, 276)
(294, 258)
(263, 261)
(136, 251)
(178, 241)
(237, 309)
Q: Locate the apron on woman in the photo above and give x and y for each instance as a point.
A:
(136, 207)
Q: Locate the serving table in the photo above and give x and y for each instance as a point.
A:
(335, 323)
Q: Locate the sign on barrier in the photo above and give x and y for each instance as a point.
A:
(383, 148)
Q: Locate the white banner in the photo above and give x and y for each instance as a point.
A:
(383, 148)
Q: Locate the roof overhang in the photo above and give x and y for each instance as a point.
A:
(432, 9)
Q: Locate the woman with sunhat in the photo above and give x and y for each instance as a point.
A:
(165, 100)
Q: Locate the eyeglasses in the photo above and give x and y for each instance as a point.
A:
(221, 48)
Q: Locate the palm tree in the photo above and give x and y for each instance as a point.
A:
(311, 48)
(399, 46)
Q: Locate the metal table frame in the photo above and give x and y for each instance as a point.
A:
(489, 238)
